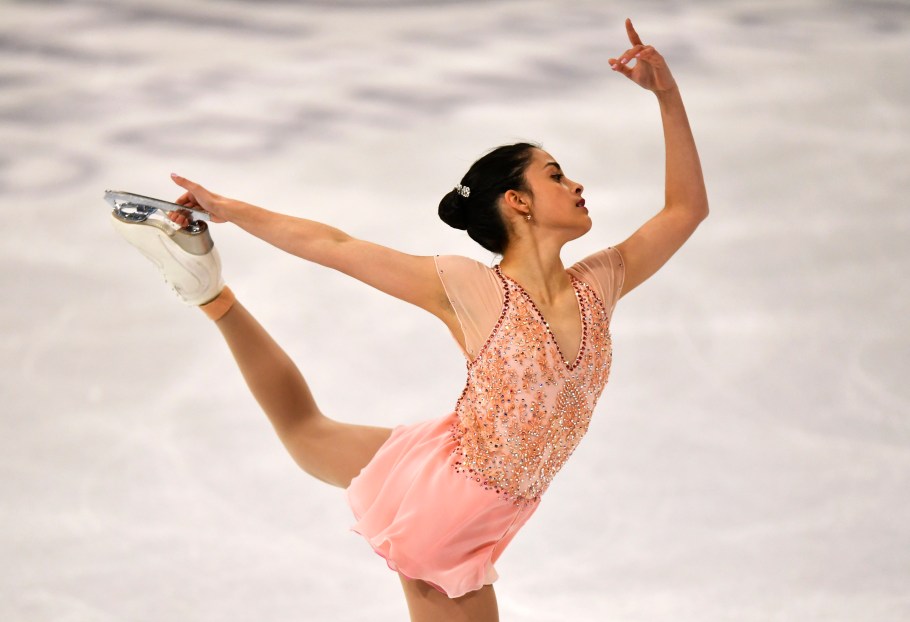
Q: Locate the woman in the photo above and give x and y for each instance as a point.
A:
(441, 499)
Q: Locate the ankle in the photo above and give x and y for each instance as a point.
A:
(216, 308)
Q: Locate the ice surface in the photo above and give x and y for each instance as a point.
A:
(750, 459)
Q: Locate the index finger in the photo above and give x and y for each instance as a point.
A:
(633, 36)
(183, 199)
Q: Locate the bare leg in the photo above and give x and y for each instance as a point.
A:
(427, 604)
(329, 450)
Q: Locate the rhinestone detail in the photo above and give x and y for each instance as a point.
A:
(524, 407)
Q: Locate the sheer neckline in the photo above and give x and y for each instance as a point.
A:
(581, 315)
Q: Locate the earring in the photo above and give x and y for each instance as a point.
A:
(528, 217)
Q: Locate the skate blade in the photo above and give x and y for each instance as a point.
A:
(141, 207)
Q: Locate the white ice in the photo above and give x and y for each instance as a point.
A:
(750, 459)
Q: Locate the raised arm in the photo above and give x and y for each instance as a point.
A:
(685, 201)
(408, 277)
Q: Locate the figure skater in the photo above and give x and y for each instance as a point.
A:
(441, 499)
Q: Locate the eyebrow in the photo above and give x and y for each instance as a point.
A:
(556, 164)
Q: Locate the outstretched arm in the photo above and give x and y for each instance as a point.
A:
(685, 201)
(408, 277)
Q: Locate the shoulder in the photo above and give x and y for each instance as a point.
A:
(475, 296)
(603, 271)
(604, 262)
(462, 272)
(459, 263)
(468, 281)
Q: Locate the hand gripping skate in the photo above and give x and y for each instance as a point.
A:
(186, 256)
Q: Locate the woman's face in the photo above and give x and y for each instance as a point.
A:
(556, 200)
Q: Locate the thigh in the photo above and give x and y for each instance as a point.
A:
(427, 604)
(333, 451)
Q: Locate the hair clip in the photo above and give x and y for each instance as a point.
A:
(463, 190)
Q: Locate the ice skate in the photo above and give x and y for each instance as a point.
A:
(186, 256)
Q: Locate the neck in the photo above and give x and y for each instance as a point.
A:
(537, 267)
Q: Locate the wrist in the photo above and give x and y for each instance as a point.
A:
(233, 210)
(668, 94)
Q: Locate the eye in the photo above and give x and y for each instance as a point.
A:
(558, 176)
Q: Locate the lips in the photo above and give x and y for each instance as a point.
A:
(580, 203)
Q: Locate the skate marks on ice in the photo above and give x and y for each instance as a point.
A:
(750, 455)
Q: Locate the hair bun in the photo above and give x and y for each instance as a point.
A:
(452, 212)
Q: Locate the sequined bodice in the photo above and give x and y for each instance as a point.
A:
(525, 408)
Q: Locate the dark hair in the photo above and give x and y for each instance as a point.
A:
(488, 179)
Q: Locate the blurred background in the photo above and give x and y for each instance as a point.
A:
(750, 459)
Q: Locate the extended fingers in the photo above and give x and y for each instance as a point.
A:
(636, 51)
(634, 39)
(195, 194)
(193, 188)
(197, 198)
(181, 181)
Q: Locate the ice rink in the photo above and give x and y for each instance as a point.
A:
(750, 459)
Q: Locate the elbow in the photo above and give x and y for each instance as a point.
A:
(699, 209)
(700, 205)
(695, 211)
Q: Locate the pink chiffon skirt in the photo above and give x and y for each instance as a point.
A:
(428, 521)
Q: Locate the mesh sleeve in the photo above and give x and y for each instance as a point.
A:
(604, 271)
(476, 296)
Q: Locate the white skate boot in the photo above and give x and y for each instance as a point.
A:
(186, 256)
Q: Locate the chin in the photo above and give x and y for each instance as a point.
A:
(584, 229)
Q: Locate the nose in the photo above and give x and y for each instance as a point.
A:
(579, 188)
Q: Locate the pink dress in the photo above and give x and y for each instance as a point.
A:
(441, 499)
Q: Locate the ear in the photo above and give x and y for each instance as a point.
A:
(516, 203)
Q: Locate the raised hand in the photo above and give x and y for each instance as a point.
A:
(650, 71)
